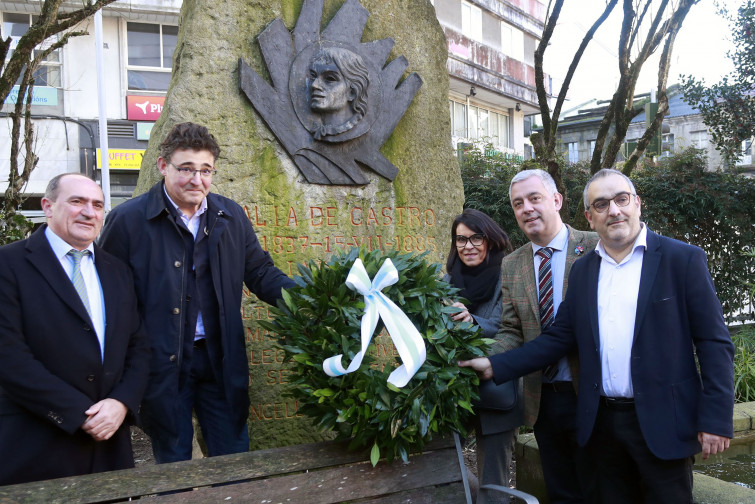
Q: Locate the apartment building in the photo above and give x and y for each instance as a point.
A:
(490, 64)
(491, 67)
(682, 127)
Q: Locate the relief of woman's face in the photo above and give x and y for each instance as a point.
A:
(328, 89)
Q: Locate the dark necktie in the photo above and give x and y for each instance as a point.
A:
(545, 296)
(78, 279)
(545, 287)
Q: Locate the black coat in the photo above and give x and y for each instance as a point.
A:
(51, 370)
(143, 233)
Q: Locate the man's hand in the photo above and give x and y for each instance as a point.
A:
(463, 315)
(481, 365)
(104, 418)
(712, 443)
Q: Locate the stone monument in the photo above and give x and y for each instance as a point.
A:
(327, 142)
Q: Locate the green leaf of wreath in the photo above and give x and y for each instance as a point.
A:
(321, 317)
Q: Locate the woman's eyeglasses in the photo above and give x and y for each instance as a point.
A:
(476, 240)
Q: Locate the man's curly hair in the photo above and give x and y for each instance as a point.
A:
(188, 135)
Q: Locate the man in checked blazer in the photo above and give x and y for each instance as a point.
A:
(550, 402)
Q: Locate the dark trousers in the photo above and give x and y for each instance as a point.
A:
(565, 468)
(494, 454)
(626, 471)
(204, 395)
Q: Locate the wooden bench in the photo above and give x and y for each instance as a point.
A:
(317, 473)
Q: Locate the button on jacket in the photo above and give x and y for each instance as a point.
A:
(144, 234)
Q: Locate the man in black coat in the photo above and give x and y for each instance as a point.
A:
(190, 250)
(72, 366)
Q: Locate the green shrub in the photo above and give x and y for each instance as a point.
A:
(486, 188)
(13, 228)
(744, 364)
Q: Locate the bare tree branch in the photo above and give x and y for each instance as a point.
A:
(47, 25)
(542, 95)
(26, 58)
(578, 56)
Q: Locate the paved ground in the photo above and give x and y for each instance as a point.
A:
(142, 447)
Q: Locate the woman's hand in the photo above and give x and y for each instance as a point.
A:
(462, 316)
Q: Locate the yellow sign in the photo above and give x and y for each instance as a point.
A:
(122, 159)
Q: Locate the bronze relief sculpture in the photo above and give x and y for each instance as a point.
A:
(333, 101)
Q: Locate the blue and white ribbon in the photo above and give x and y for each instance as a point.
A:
(405, 336)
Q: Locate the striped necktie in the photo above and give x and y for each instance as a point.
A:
(545, 287)
(78, 279)
(545, 296)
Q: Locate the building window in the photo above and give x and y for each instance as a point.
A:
(471, 21)
(592, 149)
(573, 151)
(667, 144)
(48, 71)
(512, 41)
(746, 154)
(527, 126)
(458, 119)
(699, 139)
(499, 129)
(150, 55)
(480, 124)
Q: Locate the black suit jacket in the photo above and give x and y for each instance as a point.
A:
(50, 365)
(678, 315)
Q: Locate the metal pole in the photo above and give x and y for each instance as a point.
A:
(104, 151)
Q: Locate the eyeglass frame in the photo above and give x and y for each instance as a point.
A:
(188, 173)
(468, 239)
(609, 200)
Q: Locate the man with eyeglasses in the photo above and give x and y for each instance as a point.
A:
(190, 251)
(642, 312)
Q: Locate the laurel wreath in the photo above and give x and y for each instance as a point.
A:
(320, 318)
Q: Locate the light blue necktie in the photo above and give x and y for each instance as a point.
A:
(78, 279)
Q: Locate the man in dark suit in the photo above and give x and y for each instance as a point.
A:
(550, 399)
(191, 251)
(639, 310)
(73, 356)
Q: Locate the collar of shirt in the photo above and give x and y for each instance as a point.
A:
(192, 223)
(558, 243)
(91, 279)
(59, 246)
(640, 243)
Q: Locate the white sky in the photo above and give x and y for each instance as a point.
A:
(699, 50)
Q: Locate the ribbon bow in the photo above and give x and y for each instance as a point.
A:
(405, 336)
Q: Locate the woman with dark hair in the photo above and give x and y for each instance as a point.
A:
(478, 245)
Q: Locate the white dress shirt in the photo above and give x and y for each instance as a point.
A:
(618, 289)
(559, 244)
(92, 281)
